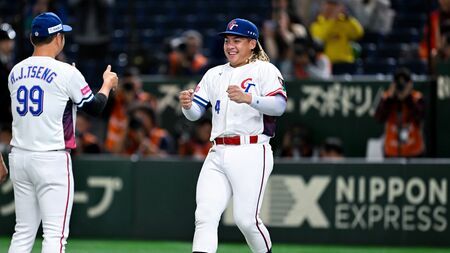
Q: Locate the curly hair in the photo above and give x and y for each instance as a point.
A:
(258, 54)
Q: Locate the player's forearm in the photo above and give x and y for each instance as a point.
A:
(270, 105)
(96, 105)
(105, 90)
(194, 113)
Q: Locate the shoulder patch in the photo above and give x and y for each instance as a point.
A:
(85, 90)
(281, 81)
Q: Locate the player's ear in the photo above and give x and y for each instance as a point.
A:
(252, 44)
(55, 38)
(60, 38)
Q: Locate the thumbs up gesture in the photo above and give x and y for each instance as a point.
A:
(110, 78)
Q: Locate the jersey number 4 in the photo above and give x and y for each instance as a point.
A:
(30, 100)
(217, 107)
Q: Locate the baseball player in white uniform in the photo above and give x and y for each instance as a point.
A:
(246, 95)
(45, 95)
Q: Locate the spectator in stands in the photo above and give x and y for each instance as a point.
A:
(310, 61)
(439, 30)
(186, 58)
(444, 50)
(7, 43)
(92, 34)
(199, 144)
(402, 110)
(132, 77)
(332, 149)
(336, 30)
(87, 142)
(307, 10)
(129, 93)
(374, 15)
(137, 141)
(278, 36)
(297, 142)
(144, 136)
(118, 119)
(281, 7)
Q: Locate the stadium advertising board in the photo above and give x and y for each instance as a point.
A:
(326, 203)
(366, 203)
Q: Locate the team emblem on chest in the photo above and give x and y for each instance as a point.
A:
(247, 84)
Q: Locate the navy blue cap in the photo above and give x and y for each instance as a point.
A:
(46, 24)
(241, 27)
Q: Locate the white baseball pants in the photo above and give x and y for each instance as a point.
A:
(43, 191)
(239, 172)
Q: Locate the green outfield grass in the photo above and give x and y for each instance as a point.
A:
(106, 246)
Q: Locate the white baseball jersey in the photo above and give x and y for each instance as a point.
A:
(44, 96)
(230, 118)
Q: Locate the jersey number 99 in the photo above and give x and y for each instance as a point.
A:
(30, 100)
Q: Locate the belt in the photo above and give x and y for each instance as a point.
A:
(236, 140)
(54, 150)
(65, 150)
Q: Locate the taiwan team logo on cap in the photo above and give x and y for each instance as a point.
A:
(232, 24)
(46, 24)
(241, 27)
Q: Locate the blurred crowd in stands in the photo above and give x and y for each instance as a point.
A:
(305, 39)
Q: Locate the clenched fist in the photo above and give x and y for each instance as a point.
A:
(236, 94)
(186, 98)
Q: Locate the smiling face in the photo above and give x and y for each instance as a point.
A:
(238, 49)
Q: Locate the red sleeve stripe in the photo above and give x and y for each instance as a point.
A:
(281, 93)
(276, 92)
(273, 92)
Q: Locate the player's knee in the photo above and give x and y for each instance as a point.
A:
(206, 215)
(245, 223)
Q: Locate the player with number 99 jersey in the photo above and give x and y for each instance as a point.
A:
(44, 95)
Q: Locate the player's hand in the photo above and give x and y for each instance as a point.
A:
(186, 98)
(110, 78)
(236, 94)
(3, 170)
